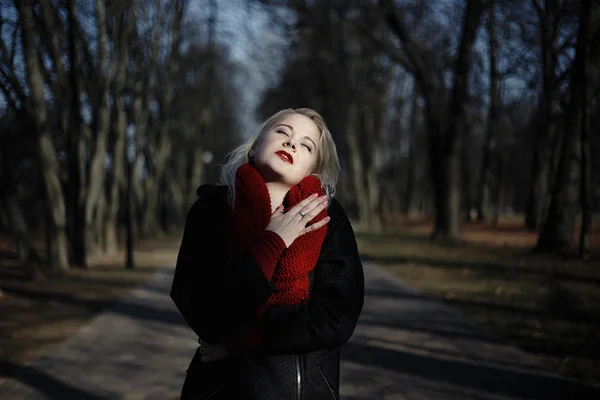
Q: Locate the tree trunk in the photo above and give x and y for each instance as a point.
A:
(558, 231)
(11, 210)
(76, 152)
(178, 188)
(466, 170)
(537, 203)
(412, 160)
(94, 203)
(445, 165)
(97, 229)
(153, 185)
(357, 165)
(48, 162)
(56, 220)
(446, 159)
(129, 262)
(498, 203)
(586, 178)
(373, 192)
(196, 176)
(149, 220)
(588, 64)
(118, 179)
(538, 194)
(140, 117)
(163, 142)
(10, 206)
(117, 176)
(372, 130)
(491, 141)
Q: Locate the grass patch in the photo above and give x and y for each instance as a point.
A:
(548, 306)
(39, 313)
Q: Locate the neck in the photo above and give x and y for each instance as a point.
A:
(277, 191)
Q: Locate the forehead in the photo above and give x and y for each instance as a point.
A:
(301, 125)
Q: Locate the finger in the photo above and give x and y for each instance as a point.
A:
(316, 203)
(278, 210)
(205, 359)
(315, 226)
(303, 203)
(312, 209)
(312, 213)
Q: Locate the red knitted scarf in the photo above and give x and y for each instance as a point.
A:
(251, 215)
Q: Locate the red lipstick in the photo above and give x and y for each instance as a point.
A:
(285, 156)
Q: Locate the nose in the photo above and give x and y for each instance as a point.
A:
(290, 143)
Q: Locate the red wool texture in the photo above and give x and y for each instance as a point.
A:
(252, 214)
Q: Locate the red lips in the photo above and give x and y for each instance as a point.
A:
(285, 156)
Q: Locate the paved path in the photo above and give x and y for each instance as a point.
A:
(405, 347)
(408, 347)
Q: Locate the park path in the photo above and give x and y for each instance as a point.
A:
(405, 347)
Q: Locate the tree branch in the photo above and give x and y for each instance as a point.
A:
(9, 98)
(415, 54)
(15, 85)
(379, 45)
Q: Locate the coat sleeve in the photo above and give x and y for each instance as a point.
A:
(215, 299)
(330, 316)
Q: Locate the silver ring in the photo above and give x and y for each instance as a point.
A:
(302, 214)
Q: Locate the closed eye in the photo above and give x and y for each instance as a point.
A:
(308, 147)
(284, 132)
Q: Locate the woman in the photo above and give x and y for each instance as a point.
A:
(268, 273)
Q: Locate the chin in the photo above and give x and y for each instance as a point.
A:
(277, 172)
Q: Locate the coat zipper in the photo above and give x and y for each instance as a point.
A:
(333, 393)
(299, 376)
(209, 394)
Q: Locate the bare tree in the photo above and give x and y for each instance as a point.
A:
(443, 121)
(161, 143)
(557, 233)
(490, 147)
(122, 28)
(56, 218)
(551, 16)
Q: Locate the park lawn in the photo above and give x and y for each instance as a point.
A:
(549, 306)
(37, 314)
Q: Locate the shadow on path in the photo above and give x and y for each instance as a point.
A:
(51, 387)
(504, 381)
(127, 308)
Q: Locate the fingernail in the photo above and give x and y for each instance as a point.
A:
(327, 219)
(314, 195)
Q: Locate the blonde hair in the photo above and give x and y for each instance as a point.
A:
(327, 167)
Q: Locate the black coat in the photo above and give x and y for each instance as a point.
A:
(300, 356)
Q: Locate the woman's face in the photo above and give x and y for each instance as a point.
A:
(287, 152)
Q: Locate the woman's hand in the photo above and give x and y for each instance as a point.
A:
(292, 224)
(211, 352)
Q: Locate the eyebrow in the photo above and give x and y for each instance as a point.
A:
(292, 129)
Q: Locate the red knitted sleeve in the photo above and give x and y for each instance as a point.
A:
(267, 251)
